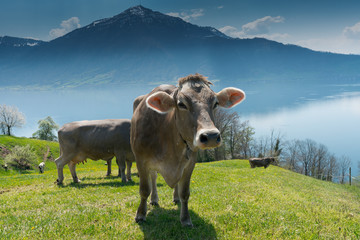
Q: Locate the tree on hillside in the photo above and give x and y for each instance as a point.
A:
(291, 156)
(332, 168)
(241, 139)
(46, 128)
(10, 118)
(306, 155)
(223, 120)
(344, 164)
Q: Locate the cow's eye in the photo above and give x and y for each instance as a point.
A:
(182, 105)
(216, 105)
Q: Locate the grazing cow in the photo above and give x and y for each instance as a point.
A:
(99, 139)
(42, 167)
(168, 126)
(261, 162)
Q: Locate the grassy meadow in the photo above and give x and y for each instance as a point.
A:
(229, 200)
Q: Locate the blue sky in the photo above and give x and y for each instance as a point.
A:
(325, 25)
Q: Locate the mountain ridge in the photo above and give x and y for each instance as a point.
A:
(140, 45)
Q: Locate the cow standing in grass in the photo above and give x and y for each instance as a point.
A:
(99, 139)
(168, 127)
(261, 162)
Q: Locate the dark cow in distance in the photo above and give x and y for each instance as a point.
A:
(98, 139)
(168, 127)
(261, 162)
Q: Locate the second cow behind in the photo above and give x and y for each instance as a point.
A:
(99, 139)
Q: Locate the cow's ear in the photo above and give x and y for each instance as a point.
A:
(160, 102)
(229, 97)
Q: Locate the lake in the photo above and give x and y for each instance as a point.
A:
(332, 120)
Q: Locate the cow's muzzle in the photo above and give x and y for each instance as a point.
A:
(207, 138)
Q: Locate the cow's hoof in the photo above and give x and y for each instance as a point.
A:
(77, 181)
(187, 224)
(155, 204)
(58, 182)
(140, 219)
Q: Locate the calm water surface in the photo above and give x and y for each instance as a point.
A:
(333, 121)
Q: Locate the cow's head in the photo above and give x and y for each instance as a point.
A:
(194, 104)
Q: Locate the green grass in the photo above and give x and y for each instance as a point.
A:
(229, 200)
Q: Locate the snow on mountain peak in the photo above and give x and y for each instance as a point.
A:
(137, 10)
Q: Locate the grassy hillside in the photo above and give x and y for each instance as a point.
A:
(228, 201)
(40, 147)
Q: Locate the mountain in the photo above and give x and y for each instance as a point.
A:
(7, 41)
(141, 46)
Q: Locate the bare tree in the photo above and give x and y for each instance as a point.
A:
(307, 154)
(320, 161)
(240, 139)
(291, 156)
(10, 117)
(261, 146)
(344, 164)
(331, 168)
(223, 121)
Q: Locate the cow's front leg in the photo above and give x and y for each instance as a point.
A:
(154, 195)
(145, 189)
(108, 163)
(176, 198)
(184, 192)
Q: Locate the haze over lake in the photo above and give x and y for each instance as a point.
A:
(333, 122)
(312, 113)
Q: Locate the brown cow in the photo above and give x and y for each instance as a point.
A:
(168, 126)
(261, 162)
(99, 139)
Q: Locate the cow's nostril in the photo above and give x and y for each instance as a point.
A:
(203, 138)
(218, 139)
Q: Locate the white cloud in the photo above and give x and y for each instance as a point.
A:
(220, 7)
(347, 42)
(257, 28)
(66, 27)
(261, 26)
(188, 15)
(352, 32)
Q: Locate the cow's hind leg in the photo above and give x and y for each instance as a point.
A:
(72, 167)
(120, 160)
(145, 189)
(128, 170)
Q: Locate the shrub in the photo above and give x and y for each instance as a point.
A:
(21, 157)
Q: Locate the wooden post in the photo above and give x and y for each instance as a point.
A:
(350, 176)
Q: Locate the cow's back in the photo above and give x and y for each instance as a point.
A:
(96, 139)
